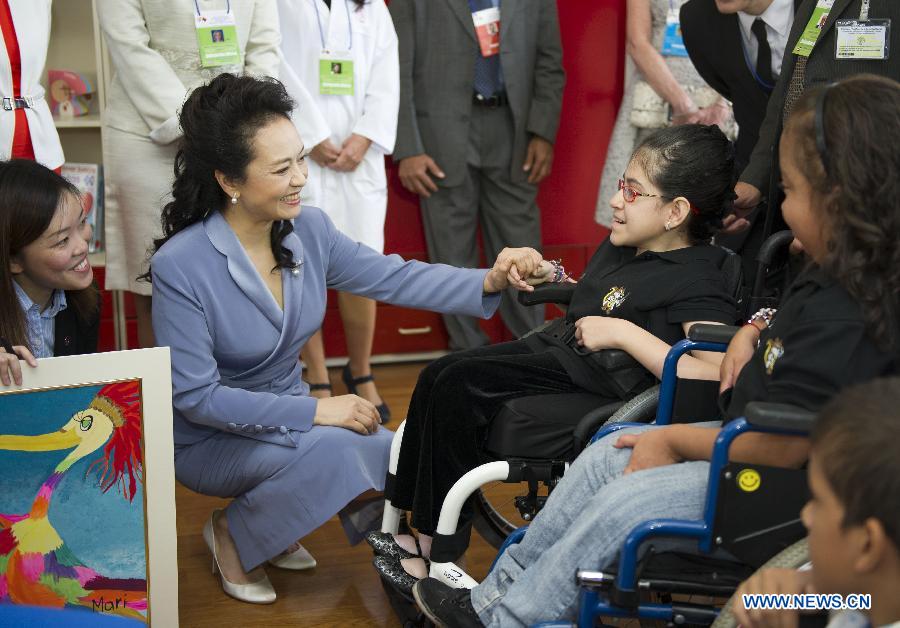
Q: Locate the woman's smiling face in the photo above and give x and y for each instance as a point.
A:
(58, 259)
(274, 177)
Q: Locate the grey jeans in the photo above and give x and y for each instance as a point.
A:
(583, 525)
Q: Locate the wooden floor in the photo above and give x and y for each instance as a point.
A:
(343, 590)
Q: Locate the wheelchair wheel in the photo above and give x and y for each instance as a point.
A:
(496, 515)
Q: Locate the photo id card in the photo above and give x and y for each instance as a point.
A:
(335, 74)
(217, 39)
(673, 42)
(863, 39)
(487, 29)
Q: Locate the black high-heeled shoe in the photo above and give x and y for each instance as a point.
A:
(384, 413)
(324, 386)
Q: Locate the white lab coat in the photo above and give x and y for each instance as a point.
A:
(356, 201)
(31, 19)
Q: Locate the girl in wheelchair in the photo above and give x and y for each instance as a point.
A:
(654, 277)
(837, 325)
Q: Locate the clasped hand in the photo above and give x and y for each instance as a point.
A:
(348, 411)
(345, 159)
(520, 268)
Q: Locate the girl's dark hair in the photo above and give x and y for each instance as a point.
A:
(858, 195)
(696, 162)
(219, 121)
(359, 4)
(30, 195)
(855, 439)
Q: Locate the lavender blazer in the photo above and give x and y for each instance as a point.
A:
(235, 353)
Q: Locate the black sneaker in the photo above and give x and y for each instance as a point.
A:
(445, 606)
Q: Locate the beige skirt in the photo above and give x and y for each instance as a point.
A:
(138, 177)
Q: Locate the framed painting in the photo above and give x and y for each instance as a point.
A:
(87, 487)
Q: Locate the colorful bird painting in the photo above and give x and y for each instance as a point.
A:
(37, 567)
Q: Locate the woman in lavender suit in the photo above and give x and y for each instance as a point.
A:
(239, 281)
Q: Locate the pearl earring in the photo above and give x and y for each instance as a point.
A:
(668, 226)
(234, 198)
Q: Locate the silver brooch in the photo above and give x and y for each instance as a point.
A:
(295, 269)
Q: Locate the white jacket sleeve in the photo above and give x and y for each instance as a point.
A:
(378, 121)
(310, 122)
(158, 99)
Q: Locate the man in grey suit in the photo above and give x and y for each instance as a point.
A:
(475, 133)
(799, 73)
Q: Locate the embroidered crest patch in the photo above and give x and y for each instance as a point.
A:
(774, 350)
(614, 298)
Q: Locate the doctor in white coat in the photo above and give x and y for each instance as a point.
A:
(21, 95)
(344, 52)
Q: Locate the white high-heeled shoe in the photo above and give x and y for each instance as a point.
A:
(297, 560)
(259, 592)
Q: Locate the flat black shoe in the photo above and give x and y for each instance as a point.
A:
(384, 544)
(445, 606)
(384, 413)
(392, 572)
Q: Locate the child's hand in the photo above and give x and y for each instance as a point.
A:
(649, 450)
(740, 351)
(10, 369)
(770, 581)
(598, 332)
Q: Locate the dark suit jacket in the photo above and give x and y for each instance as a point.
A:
(437, 70)
(821, 68)
(714, 43)
(73, 336)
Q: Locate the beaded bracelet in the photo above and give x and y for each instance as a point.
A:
(559, 271)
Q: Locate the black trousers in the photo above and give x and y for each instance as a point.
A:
(454, 401)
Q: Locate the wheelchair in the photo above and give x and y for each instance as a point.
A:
(541, 434)
(752, 512)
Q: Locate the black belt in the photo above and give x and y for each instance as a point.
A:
(497, 100)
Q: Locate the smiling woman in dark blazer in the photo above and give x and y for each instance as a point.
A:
(49, 305)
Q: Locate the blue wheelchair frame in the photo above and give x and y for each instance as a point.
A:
(594, 603)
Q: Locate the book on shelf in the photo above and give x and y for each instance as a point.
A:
(88, 178)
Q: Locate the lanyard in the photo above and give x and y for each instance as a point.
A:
(864, 11)
(227, 9)
(762, 83)
(319, 24)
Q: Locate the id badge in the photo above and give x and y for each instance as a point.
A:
(487, 29)
(813, 29)
(335, 74)
(217, 39)
(863, 39)
(673, 43)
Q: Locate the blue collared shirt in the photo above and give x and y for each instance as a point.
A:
(41, 326)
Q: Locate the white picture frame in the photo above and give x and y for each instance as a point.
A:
(55, 383)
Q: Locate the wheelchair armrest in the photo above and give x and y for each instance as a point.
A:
(772, 244)
(615, 359)
(712, 333)
(560, 293)
(780, 416)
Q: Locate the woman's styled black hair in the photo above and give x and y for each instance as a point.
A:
(30, 195)
(219, 121)
(857, 193)
(696, 162)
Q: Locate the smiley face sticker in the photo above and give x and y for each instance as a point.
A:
(748, 480)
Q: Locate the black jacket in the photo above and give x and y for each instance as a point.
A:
(713, 41)
(73, 336)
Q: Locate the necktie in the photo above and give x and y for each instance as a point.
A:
(764, 52)
(487, 69)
